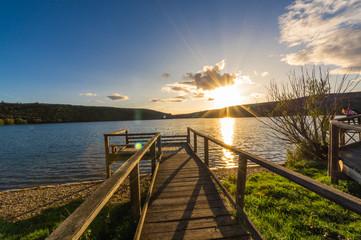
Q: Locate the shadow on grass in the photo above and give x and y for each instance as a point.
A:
(113, 222)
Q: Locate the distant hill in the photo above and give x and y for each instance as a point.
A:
(21, 113)
(352, 99)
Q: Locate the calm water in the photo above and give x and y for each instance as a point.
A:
(45, 154)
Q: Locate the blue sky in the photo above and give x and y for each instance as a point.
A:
(164, 55)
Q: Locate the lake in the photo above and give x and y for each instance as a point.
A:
(46, 154)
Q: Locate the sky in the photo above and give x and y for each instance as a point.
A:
(170, 56)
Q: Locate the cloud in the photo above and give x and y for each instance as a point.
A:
(169, 100)
(95, 101)
(165, 75)
(198, 95)
(88, 94)
(264, 74)
(211, 78)
(117, 97)
(329, 32)
(256, 95)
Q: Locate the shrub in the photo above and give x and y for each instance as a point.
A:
(9, 121)
(20, 121)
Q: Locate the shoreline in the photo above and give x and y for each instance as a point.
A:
(21, 204)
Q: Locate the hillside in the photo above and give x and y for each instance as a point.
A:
(18, 113)
(22, 113)
(352, 99)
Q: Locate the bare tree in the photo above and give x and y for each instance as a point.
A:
(305, 105)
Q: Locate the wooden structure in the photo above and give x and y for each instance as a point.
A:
(345, 149)
(185, 200)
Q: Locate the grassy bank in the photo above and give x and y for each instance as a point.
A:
(284, 210)
(113, 222)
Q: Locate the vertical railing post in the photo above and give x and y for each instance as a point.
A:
(342, 137)
(195, 142)
(153, 154)
(333, 157)
(188, 135)
(107, 160)
(241, 181)
(159, 145)
(126, 137)
(206, 154)
(135, 193)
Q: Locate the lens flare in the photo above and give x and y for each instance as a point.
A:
(138, 146)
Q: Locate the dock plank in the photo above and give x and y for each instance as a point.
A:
(186, 204)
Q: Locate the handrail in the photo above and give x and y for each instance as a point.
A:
(346, 126)
(343, 199)
(116, 133)
(349, 117)
(79, 220)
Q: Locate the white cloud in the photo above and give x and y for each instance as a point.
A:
(211, 78)
(264, 74)
(169, 100)
(329, 32)
(88, 94)
(95, 101)
(117, 97)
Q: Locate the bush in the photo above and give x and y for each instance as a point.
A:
(9, 121)
(20, 121)
(2, 122)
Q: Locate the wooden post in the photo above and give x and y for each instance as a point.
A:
(333, 157)
(107, 160)
(153, 155)
(188, 135)
(241, 181)
(342, 137)
(206, 154)
(126, 137)
(195, 142)
(135, 193)
(159, 145)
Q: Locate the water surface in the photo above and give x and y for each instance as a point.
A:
(44, 154)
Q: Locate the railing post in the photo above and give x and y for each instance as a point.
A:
(135, 193)
(342, 137)
(188, 135)
(241, 181)
(126, 137)
(195, 142)
(153, 154)
(333, 157)
(206, 154)
(159, 145)
(107, 160)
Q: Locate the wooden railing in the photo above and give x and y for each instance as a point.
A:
(112, 150)
(79, 220)
(344, 132)
(343, 199)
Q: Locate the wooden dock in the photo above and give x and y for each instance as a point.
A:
(185, 200)
(186, 204)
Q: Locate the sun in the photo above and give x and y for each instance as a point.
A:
(226, 96)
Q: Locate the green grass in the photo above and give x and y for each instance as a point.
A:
(282, 209)
(113, 222)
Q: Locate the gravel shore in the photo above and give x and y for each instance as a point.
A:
(21, 204)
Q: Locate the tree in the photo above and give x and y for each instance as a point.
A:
(305, 105)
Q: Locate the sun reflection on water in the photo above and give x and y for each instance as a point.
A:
(227, 131)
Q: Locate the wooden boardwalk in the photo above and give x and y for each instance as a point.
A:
(186, 204)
